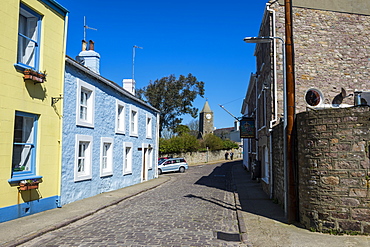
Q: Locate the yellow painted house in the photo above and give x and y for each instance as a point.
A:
(32, 56)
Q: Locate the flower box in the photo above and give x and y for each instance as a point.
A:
(29, 184)
(34, 76)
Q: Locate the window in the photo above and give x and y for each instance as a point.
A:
(24, 145)
(148, 126)
(83, 154)
(85, 104)
(120, 117)
(134, 121)
(127, 159)
(106, 160)
(28, 38)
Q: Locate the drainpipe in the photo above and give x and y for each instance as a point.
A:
(274, 120)
(157, 149)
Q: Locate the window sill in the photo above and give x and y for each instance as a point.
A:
(16, 180)
(127, 173)
(266, 180)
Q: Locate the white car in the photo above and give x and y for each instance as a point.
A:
(173, 165)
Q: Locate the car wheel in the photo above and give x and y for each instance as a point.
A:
(182, 169)
(159, 171)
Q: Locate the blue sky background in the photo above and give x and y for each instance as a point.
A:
(202, 37)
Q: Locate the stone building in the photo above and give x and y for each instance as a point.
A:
(331, 63)
(205, 120)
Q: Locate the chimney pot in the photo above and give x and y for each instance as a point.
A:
(91, 45)
(84, 45)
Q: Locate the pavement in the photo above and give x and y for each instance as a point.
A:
(261, 222)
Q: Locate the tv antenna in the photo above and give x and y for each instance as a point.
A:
(87, 27)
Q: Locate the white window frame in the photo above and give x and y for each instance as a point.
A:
(149, 126)
(120, 117)
(29, 30)
(134, 121)
(127, 158)
(87, 173)
(106, 158)
(90, 104)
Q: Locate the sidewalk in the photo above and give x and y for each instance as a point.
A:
(21, 230)
(265, 222)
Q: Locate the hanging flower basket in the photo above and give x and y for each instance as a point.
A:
(34, 76)
(29, 184)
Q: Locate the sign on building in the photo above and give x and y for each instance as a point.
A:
(247, 128)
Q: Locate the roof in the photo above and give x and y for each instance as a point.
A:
(206, 107)
(111, 84)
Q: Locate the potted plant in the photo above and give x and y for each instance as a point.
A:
(35, 76)
(29, 184)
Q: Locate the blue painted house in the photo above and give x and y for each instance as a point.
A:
(110, 137)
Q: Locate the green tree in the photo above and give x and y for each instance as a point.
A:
(173, 97)
(212, 142)
(181, 129)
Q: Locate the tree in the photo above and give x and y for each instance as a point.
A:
(173, 97)
(181, 129)
(194, 127)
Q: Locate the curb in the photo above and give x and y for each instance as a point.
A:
(54, 227)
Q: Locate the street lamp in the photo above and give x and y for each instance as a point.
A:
(264, 40)
(269, 39)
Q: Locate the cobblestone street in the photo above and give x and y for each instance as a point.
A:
(195, 208)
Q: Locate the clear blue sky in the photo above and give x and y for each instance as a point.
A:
(202, 37)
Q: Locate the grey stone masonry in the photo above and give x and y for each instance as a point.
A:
(334, 169)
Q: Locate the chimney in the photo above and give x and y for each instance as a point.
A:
(90, 58)
(129, 85)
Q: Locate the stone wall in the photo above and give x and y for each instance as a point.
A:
(333, 169)
(278, 164)
(204, 157)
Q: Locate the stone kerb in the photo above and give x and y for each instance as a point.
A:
(333, 169)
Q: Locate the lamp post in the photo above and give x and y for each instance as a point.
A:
(264, 40)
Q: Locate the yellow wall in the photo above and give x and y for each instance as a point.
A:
(18, 95)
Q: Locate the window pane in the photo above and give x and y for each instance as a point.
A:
(23, 144)
(27, 38)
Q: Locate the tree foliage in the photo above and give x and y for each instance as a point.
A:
(189, 143)
(182, 129)
(173, 97)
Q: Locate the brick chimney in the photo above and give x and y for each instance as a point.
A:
(89, 58)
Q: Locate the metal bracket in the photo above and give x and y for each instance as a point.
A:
(55, 100)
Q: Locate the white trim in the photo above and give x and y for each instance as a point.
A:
(90, 104)
(87, 166)
(149, 126)
(120, 117)
(108, 160)
(127, 159)
(134, 126)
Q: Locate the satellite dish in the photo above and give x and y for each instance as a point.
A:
(314, 97)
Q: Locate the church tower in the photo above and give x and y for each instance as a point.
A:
(205, 120)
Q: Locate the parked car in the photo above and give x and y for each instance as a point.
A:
(173, 165)
(160, 160)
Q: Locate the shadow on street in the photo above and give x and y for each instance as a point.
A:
(231, 176)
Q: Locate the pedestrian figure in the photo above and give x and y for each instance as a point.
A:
(226, 156)
(231, 155)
